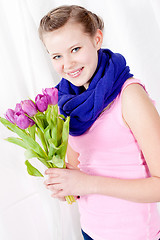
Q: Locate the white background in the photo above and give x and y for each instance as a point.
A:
(132, 27)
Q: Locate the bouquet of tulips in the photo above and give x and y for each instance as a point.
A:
(41, 130)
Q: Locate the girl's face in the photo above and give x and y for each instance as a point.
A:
(74, 53)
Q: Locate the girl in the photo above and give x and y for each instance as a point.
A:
(114, 143)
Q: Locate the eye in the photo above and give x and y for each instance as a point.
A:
(75, 49)
(57, 57)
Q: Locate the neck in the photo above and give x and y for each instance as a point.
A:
(86, 85)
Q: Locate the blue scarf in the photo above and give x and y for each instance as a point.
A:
(84, 106)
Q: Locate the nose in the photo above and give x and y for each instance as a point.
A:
(68, 63)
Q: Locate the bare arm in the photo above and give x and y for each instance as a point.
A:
(72, 157)
(142, 118)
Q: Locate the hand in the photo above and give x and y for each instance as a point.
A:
(70, 181)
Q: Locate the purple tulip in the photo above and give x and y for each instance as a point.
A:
(10, 115)
(52, 95)
(29, 107)
(18, 108)
(22, 120)
(41, 102)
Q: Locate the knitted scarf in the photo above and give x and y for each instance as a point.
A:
(84, 106)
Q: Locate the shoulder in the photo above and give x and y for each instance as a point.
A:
(133, 93)
(132, 85)
(135, 97)
(143, 119)
(136, 103)
(139, 112)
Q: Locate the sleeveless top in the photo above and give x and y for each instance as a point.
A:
(108, 148)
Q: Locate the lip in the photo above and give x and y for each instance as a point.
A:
(75, 73)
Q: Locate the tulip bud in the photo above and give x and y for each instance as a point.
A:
(52, 95)
(29, 107)
(23, 121)
(18, 108)
(10, 116)
(41, 102)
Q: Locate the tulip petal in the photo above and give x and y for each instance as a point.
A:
(41, 102)
(22, 120)
(29, 107)
(52, 94)
(10, 115)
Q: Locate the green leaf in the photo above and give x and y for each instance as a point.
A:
(47, 133)
(29, 153)
(62, 116)
(54, 133)
(53, 114)
(30, 143)
(17, 141)
(39, 121)
(52, 148)
(32, 170)
(52, 143)
(45, 162)
(57, 161)
(65, 131)
(32, 131)
(55, 110)
(48, 114)
(42, 139)
(60, 123)
(62, 150)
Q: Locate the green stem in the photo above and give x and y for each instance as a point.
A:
(39, 123)
(42, 139)
(47, 164)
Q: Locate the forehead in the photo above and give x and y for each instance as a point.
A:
(65, 37)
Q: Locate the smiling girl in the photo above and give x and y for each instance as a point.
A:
(113, 152)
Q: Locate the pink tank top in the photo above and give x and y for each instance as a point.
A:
(109, 149)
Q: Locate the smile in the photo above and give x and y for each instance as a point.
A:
(75, 73)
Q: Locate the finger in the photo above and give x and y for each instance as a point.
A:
(54, 187)
(62, 199)
(54, 192)
(58, 194)
(50, 181)
(53, 171)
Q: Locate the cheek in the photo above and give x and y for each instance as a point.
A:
(91, 57)
(57, 67)
(92, 62)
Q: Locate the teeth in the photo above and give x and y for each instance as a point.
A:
(73, 74)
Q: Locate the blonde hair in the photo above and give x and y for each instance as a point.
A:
(58, 17)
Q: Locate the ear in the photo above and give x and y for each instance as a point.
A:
(98, 39)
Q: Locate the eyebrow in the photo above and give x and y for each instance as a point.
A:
(69, 49)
